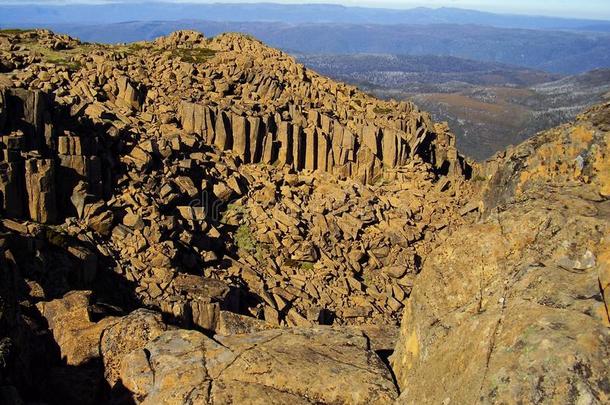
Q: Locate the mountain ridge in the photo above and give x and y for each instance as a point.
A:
(561, 52)
(299, 13)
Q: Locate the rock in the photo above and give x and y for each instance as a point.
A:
(235, 324)
(518, 313)
(129, 333)
(192, 213)
(76, 335)
(273, 366)
(140, 158)
(128, 96)
(79, 198)
(99, 218)
(40, 187)
(395, 271)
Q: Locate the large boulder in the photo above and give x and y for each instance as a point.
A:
(299, 366)
(77, 336)
(515, 305)
(129, 333)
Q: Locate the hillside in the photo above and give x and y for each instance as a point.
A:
(488, 119)
(205, 220)
(388, 74)
(215, 181)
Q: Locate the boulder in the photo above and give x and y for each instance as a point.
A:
(76, 335)
(276, 366)
(129, 333)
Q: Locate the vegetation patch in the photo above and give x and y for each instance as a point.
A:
(297, 264)
(232, 212)
(14, 31)
(60, 58)
(194, 55)
(382, 110)
(307, 266)
(245, 240)
(69, 64)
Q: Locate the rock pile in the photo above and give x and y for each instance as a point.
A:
(220, 183)
(152, 151)
(317, 249)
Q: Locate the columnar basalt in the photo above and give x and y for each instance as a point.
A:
(206, 220)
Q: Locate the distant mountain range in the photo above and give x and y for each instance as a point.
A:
(270, 12)
(566, 52)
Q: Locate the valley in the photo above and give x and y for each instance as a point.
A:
(489, 106)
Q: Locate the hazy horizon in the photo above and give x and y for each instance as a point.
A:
(595, 9)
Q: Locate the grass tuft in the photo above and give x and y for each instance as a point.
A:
(195, 55)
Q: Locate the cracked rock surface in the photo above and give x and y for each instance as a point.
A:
(296, 365)
(515, 305)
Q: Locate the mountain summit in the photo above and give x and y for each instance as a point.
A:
(204, 220)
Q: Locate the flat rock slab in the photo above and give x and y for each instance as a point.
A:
(300, 366)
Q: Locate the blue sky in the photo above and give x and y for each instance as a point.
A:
(598, 9)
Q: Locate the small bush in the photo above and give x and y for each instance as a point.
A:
(245, 240)
(307, 266)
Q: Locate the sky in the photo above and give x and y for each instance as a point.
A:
(595, 9)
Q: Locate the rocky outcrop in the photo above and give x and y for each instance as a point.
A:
(325, 144)
(316, 124)
(76, 335)
(523, 312)
(34, 159)
(301, 366)
(320, 250)
(156, 364)
(186, 163)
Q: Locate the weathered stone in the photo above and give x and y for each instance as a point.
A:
(240, 136)
(130, 333)
(323, 365)
(222, 131)
(128, 96)
(76, 335)
(140, 158)
(40, 187)
(500, 325)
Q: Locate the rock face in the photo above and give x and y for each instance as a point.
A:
(300, 366)
(521, 313)
(157, 365)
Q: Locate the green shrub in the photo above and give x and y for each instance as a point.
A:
(382, 110)
(245, 240)
(195, 55)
